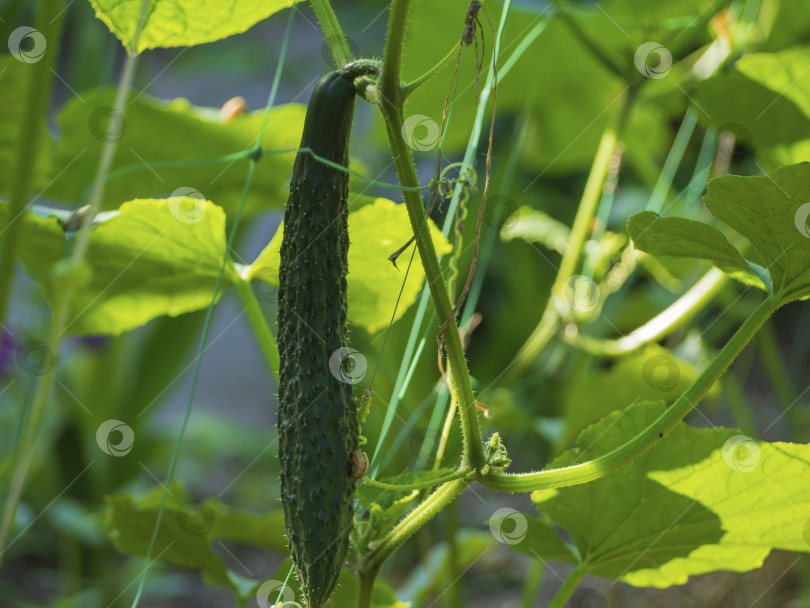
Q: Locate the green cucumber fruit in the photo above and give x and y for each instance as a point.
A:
(317, 417)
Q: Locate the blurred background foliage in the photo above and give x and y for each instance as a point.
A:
(551, 111)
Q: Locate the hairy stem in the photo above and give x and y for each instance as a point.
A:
(413, 521)
(646, 439)
(335, 38)
(391, 101)
(409, 88)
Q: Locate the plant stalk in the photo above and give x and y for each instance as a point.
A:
(569, 586)
(61, 309)
(335, 38)
(264, 333)
(580, 231)
(391, 102)
(649, 437)
(660, 326)
(37, 96)
(412, 522)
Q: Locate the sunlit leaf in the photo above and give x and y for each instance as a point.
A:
(150, 164)
(376, 231)
(182, 22)
(700, 501)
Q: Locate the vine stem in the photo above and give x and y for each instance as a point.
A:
(578, 237)
(412, 522)
(646, 439)
(409, 88)
(391, 102)
(264, 333)
(56, 329)
(569, 586)
(335, 38)
(660, 326)
(37, 95)
(428, 483)
(366, 588)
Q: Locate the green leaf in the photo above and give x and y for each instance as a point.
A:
(14, 76)
(188, 529)
(700, 501)
(42, 240)
(182, 22)
(536, 226)
(763, 100)
(678, 237)
(131, 522)
(156, 257)
(531, 536)
(772, 212)
(376, 231)
(197, 134)
(650, 373)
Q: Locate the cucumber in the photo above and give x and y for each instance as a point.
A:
(317, 417)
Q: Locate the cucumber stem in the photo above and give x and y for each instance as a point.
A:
(660, 326)
(391, 104)
(335, 38)
(646, 439)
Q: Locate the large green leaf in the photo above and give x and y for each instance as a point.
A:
(14, 76)
(180, 540)
(530, 535)
(182, 22)
(196, 134)
(772, 212)
(650, 373)
(701, 500)
(764, 99)
(156, 257)
(678, 237)
(376, 231)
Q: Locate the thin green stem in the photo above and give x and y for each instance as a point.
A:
(25, 454)
(569, 586)
(366, 590)
(262, 329)
(646, 439)
(597, 53)
(428, 483)
(32, 124)
(335, 38)
(391, 106)
(580, 230)
(409, 88)
(413, 521)
(676, 315)
(531, 583)
(446, 428)
(673, 161)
